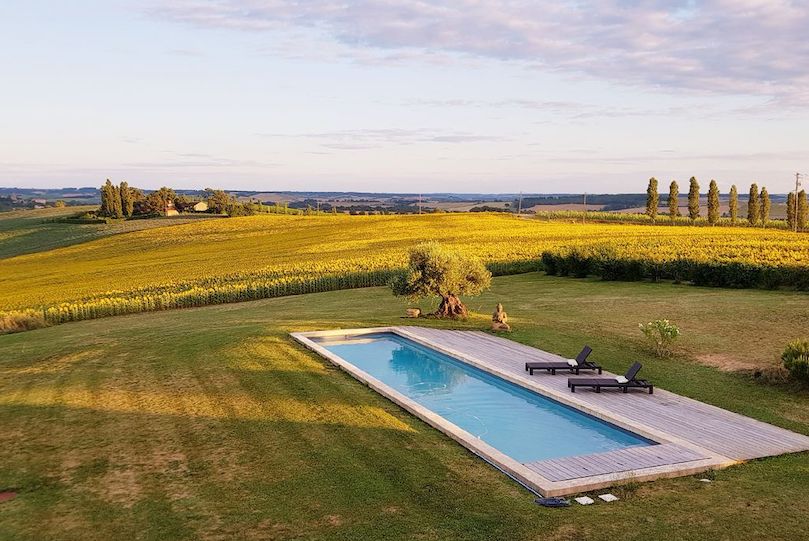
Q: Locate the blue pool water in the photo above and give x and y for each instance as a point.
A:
(522, 424)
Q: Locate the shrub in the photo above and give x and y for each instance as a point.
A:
(579, 263)
(661, 334)
(549, 263)
(796, 360)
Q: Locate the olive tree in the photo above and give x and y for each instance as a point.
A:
(434, 270)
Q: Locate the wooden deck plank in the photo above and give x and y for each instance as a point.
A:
(632, 458)
(720, 431)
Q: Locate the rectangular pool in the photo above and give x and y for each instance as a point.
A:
(516, 421)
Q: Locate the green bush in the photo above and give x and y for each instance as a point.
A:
(796, 360)
(580, 262)
(661, 334)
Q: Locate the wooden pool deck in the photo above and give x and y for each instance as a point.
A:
(692, 436)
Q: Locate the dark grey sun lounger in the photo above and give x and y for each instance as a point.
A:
(598, 383)
(552, 367)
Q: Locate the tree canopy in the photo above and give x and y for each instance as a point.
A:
(434, 270)
(652, 199)
(752, 205)
(693, 199)
(733, 204)
(713, 203)
(674, 203)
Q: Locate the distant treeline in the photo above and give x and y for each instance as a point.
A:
(606, 201)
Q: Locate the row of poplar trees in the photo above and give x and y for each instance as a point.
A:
(758, 204)
(118, 201)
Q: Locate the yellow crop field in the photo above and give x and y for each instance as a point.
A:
(262, 256)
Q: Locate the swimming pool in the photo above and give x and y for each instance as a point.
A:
(522, 424)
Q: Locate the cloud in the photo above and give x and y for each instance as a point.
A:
(742, 47)
(363, 139)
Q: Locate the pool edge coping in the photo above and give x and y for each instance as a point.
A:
(493, 456)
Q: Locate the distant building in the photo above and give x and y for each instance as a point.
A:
(201, 206)
(40, 201)
(170, 210)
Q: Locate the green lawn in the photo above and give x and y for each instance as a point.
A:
(30, 231)
(211, 423)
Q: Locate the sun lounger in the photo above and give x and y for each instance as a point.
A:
(625, 382)
(574, 365)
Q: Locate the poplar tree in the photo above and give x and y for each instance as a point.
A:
(674, 200)
(733, 204)
(127, 199)
(764, 207)
(693, 199)
(652, 199)
(116, 210)
(103, 210)
(803, 210)
(791, 210)
(752, 205)
(713, 203)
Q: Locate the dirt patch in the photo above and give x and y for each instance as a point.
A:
(121, 487)
(724, 362)
(7, 496)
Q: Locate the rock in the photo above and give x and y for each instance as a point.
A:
(414, 312)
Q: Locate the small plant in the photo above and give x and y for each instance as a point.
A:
(796, 360)
(661, 334)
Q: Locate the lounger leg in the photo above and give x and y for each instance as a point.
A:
(553, 371)
(599, 371)
(626, 389)
(572, 388)
(598, 388)
(651, 390)
(530, 371)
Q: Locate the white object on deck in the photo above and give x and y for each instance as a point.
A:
(608, 497)
(572, 362)
(584, 500)
(621, 379)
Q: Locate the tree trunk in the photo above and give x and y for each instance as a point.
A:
(452, 307)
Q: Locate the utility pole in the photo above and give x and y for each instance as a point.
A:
(584, 214)
(797, 186)
(519, 206)
(419, 203)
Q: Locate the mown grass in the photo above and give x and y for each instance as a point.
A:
(211, 423)
(30, 231)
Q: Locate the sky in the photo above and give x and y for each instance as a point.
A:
(406, 96)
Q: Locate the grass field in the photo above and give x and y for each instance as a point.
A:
(238, 250)
(211, 423)
(29, 231)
